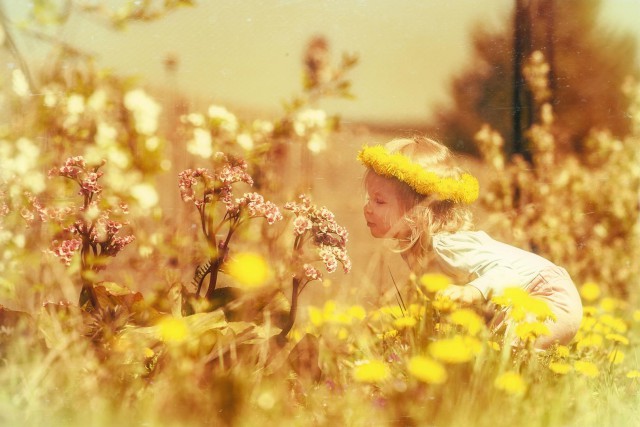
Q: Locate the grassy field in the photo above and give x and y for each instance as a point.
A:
(375, 347)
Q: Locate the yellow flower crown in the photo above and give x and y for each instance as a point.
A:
(462, 190)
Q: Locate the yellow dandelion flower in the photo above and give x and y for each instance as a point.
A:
(511, 382)
(590, 340)
(562, 351)
(468, 319)
(173, 329)
(517, 314)
(601, 328)
(616, 357)
(586, 368)
(590, 291)
(615, 323)
(633, 374)
(539, 308)
(343, 334)
(427, 370)
(494, 345)
(342, 319)
(589, 310)
(559, 368)
(511, 296)
(523, 304)
(357, 312)
(416, 310)
(388, 334)
(443, 304)
(434, 282)
(444, 329)
(531, 330)
(392, 310)
(405, 322)
(618, 338)
(315, 316)
(371, 371)
(588, 323)
(610, 304)
(329, 309)
(248, 269)
(474, 344)
(455, 350)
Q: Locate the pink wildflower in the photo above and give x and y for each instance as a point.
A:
(329, 238)
(89, 185)
(341, 255)
(45, 214)
(188, 181)
(232, 170)
(27, 215)
(55, 214)
(232, 174)
(311, 272)
(272, 213)
(325, 214)
(72, 168)
(185, 183)
(328, 258)
(64, 250)
(99, 231)
(113, 227)
(258, 207)
(116, 244)
(298, 208)
(226, 196)
(301, 224)
(77, 161)
(342, 233)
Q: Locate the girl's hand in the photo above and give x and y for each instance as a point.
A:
(465, 295)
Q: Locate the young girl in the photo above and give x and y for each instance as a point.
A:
(419, 197)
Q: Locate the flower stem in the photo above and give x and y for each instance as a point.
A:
(221, 254)
(282, 337)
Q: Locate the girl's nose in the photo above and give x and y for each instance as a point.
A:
(367, 207)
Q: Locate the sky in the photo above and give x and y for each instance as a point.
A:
(247, 54)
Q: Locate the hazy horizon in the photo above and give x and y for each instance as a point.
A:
(248, 54)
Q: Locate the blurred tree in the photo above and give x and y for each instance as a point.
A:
(588, 65)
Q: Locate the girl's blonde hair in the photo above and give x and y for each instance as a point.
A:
(426, 215)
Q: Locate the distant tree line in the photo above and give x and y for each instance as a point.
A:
(588, 66)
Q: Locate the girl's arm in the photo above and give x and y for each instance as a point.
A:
(465, 294)
(491, 266)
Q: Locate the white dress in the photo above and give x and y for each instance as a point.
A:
(474, 258)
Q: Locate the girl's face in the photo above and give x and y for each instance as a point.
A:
(383, 209)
